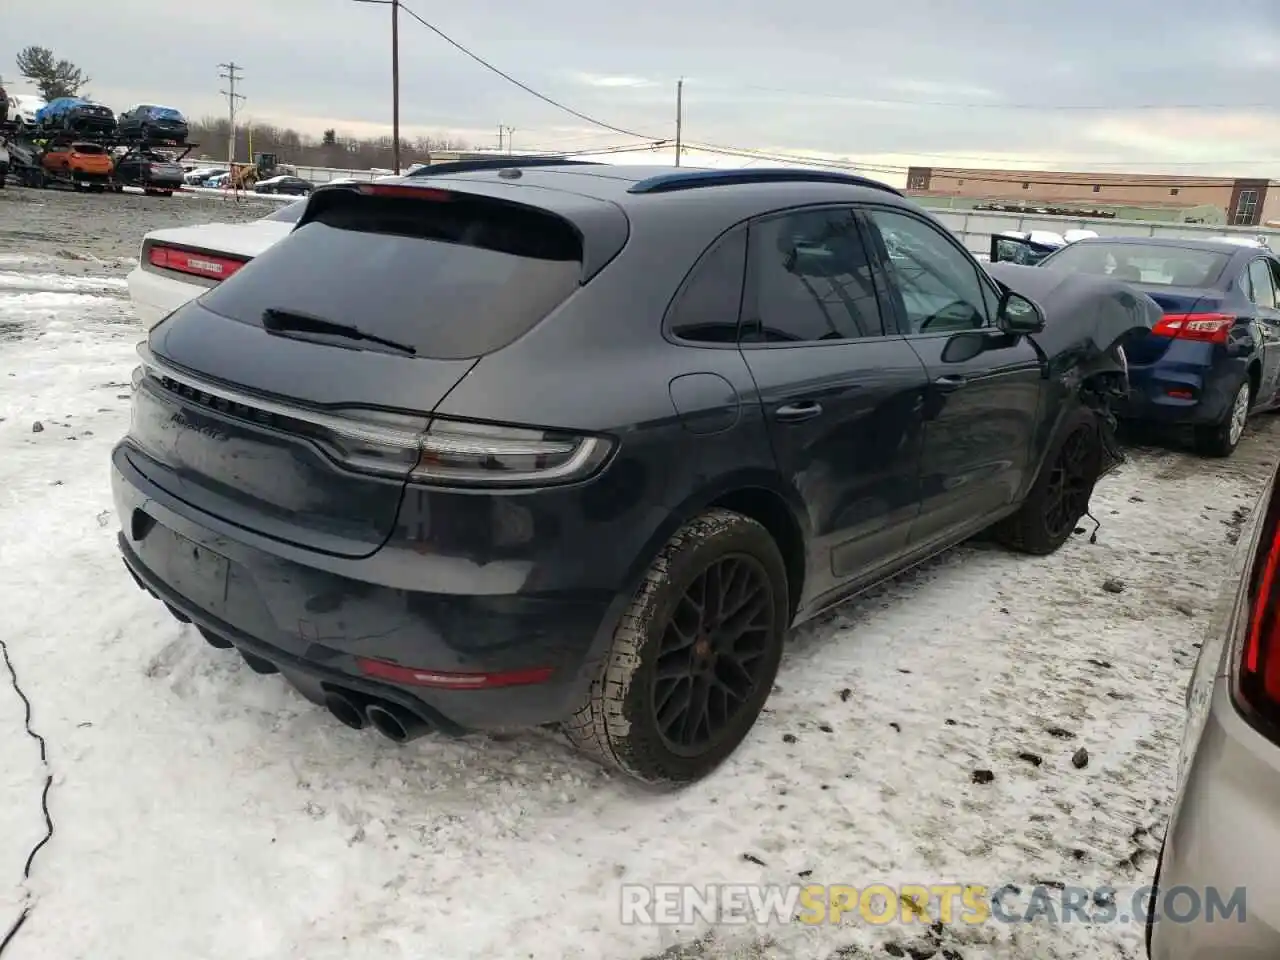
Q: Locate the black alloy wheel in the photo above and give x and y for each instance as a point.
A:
(713, 654)
(1071, 480)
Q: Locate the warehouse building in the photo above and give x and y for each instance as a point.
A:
(1222, 200)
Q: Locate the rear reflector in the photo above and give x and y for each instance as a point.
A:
(211, 266)
(1204, 327)
(411, 676)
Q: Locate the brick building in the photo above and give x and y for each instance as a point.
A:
(1246, 202)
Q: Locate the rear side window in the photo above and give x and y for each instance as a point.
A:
(706, 308)
(1264, 291)
(810, 278)
(453, 278)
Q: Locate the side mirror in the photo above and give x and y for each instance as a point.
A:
(1018, 316)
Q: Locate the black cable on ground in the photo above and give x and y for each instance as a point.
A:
(44, 800)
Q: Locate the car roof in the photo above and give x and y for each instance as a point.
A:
(683, 209)
(615, 183)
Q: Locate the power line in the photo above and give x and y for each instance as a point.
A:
(523, 86)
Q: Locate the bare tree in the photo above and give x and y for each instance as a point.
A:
(54, 78)
(329, 150)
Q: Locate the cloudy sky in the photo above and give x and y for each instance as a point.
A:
(1101, 84)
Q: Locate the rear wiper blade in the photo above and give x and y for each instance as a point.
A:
(275, 320)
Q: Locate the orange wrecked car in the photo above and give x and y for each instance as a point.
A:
(83, 164)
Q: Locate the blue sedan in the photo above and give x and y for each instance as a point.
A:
(1215, 357)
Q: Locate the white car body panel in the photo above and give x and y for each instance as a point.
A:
(155, 297)
(23, 107)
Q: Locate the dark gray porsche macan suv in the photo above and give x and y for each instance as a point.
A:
(577, 444)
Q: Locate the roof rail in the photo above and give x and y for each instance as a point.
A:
(669, 182)
(498, 163)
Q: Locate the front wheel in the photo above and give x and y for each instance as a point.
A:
(1221, 439)
(1060, 496)
(694, 656)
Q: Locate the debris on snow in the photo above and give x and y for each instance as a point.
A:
(1080, 759)
(1112, 585)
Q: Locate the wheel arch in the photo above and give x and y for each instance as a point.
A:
(1066, 416)
(756, 493)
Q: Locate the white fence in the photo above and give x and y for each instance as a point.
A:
(975, 228)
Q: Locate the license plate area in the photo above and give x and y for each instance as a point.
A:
(195, 573)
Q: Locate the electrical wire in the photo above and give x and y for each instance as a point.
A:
(27, 904)
(523, 86)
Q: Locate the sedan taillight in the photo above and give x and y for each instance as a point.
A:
(1257, 686)
(211, 266)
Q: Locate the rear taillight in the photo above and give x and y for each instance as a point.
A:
(211, 266)
(455, 452)
(436, 451)
(1204, 327)
(1258, 672)
(404, 193)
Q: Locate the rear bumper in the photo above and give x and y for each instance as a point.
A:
(1157, 392)
(155, 297)
(313, 624)
(164, 131)
(89, 125)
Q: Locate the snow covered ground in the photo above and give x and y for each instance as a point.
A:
(203, 811)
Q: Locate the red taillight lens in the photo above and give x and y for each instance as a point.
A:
(208, 265)
(1258, 682)
(1204, 327)
(411, 676)
(404, 193)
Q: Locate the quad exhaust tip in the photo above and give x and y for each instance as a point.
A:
(396, 723)
(345, 711)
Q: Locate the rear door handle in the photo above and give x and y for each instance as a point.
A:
(950, 383)
(798, 412)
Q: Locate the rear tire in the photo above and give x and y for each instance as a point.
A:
(706, 629)
(1221, 439)
(1061, 493)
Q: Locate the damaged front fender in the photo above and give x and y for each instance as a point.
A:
(1088, 318)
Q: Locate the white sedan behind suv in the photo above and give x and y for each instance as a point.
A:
(178, 264)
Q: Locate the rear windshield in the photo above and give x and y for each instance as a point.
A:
(1142, 263)
(452, 280)
(87, 148)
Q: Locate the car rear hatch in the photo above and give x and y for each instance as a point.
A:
(292, 399)
(163, 170)
(1177, 303)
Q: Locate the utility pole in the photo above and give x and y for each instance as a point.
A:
(511, 136)
(395, 76)
(679, 117)
(501, 130)
(231, 74)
